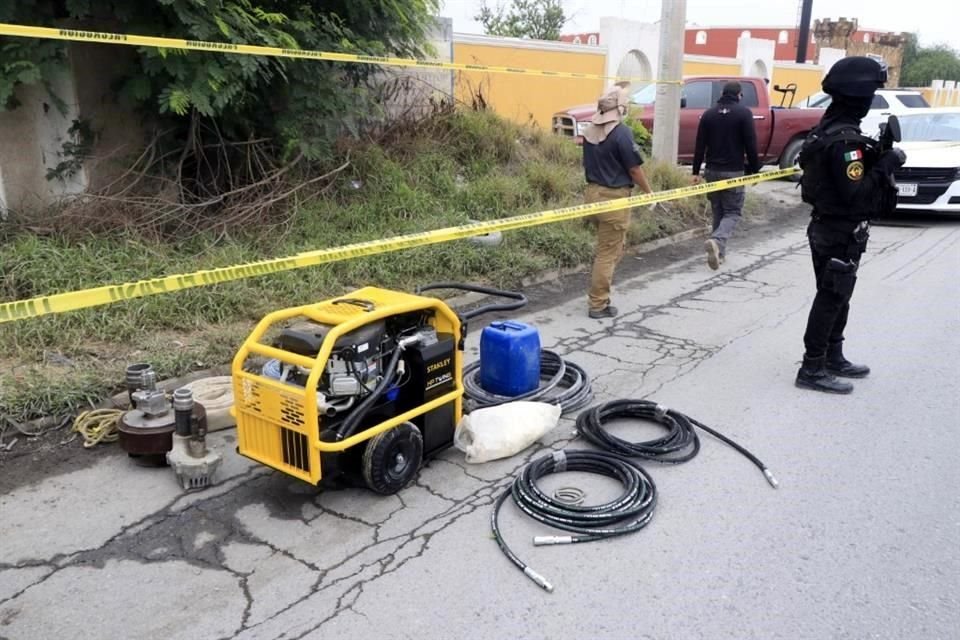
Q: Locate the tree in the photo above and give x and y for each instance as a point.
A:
(301, 104)
(922, 65)
(536, 19)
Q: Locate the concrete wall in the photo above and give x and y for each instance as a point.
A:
(844, 34)
(410, 91)
(31, 144)
(120, 134)
(829, 56)
(520, 98)
(630, 45)
(756, 57)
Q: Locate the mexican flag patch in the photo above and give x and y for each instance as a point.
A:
(850, 156)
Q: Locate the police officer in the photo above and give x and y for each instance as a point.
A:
(847, 179)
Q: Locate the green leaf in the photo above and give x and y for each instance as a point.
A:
(179, 102)
(224, 27)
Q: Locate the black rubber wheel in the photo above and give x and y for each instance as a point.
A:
(789, 157)
(392, 459)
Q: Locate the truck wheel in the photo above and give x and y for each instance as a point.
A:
(789, 157)
(392, 458)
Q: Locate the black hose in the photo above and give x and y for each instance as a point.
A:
(356, 416)
(520, 299)
(629, 512)
(562, 382)
(679, 445)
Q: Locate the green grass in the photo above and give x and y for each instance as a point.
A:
(465, 166)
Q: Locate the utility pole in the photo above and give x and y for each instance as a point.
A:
(666, 109)
(803, 37)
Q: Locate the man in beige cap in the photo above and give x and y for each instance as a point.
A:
(611, 161)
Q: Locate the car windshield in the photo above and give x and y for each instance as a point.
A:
(819, 101)
(930, 127)
(646, 95)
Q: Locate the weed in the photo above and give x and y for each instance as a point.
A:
(461, 166)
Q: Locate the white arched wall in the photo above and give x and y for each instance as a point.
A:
(756, 57)
(635, 65)
(621, 37)
(759, 69)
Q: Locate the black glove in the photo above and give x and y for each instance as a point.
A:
(891, 160)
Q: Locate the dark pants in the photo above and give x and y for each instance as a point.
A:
(831, 305)
(727, 207)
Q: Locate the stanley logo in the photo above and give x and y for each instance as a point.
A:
(440, 364)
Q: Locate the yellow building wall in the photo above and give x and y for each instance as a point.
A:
(702, 68)
(942, 97)
(807, 80)
(526, 99)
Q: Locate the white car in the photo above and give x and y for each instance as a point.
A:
(886, 103)
(930, 179)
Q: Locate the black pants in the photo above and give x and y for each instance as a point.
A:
(831, 305)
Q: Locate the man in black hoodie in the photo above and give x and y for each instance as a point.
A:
(728, 139)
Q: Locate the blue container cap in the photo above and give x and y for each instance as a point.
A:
(510, 324)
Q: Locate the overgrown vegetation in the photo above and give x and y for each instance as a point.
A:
(923, 65)
(230, 139)
(300, 104)
(452, 168)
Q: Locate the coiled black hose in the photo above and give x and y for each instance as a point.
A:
(562, 382)
(679, 445)
(630, 512)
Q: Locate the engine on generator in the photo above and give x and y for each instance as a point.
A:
(386, 366)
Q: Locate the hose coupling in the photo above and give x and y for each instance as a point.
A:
(539, 579)
(542, 541)
(770, 478)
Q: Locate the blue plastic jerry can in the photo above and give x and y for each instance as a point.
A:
(509, 358)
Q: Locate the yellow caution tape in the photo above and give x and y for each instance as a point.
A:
(62, 302)
(75, 35)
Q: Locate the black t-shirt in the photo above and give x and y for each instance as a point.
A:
(608, 164)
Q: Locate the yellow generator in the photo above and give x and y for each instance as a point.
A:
(367, 384)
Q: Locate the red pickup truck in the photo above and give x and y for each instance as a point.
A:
(780, 130)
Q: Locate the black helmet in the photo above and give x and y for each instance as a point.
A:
(856, 76)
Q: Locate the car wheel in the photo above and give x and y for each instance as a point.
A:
(392, 458)
(789, 157)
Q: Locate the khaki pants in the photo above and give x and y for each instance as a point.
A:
(611, 238)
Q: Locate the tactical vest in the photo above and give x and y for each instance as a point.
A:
(814, 185)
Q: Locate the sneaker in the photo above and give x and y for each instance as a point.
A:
(712, 248)
(608, 311)
(814, 375)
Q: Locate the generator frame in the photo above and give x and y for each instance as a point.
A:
(279, 424)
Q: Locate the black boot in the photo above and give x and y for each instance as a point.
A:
(840, 366)
(813, 374)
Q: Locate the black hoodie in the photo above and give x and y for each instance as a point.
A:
(727, 135)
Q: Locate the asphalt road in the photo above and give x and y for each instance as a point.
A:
(861, 540)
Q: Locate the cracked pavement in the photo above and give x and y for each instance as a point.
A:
(860, 541)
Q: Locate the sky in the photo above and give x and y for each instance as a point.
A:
(927, 18)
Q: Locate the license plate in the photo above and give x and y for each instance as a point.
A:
(906, 190)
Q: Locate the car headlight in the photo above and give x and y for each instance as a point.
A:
(956, 176)
(582, 126)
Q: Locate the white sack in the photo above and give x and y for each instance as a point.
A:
(504, 430)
